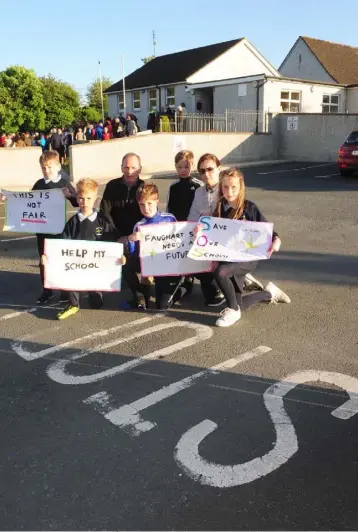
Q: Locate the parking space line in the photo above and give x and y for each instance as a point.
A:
(17, 238)
(294, 169)
(28, 310)
(128, 416)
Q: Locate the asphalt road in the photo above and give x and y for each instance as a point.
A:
(117, 420)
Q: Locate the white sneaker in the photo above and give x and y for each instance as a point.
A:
(277, 295)
(228, 317)
(251, 283)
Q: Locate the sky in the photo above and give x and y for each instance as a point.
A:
(67, 38)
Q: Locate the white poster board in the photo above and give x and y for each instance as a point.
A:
(82, 265)
(226, 240)
(178, 144)
(37, 211)
(164, 250)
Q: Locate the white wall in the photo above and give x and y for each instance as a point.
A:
(102, 160)
(227, 97)
(317, 138)
(238, 61)
(19, 167)
(311, 95)
(352, 100)
(308, 68)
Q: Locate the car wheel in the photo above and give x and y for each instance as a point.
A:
(346, 173)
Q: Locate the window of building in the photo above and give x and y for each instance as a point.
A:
(152, 99)
(242, 90)
(120, 101)
(170, 96)
(330, 103)
(290, 101)
(136, 101)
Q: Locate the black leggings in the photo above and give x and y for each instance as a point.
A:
(230, 278)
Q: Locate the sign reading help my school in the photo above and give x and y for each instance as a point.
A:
(164, 250)
(82, 265)
(37, 211)
(226, 240)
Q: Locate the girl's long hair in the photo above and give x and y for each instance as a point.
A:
(239, 211)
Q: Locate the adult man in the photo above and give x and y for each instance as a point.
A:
(119, 202)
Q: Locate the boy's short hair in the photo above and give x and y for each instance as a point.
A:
(86, 185)
(184, 155)
(49, 155)
(146, 191)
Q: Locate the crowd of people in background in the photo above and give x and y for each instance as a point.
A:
(60, 139)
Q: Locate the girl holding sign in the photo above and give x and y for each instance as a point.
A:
(230, 276)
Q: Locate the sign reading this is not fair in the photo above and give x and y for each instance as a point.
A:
(82, 265)
(228, 240)
(164, 250)
(37, 211)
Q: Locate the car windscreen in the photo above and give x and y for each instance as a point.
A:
(352, 138)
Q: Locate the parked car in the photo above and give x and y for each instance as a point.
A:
(348, 155)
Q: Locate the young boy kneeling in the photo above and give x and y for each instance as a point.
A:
(87, 224)
(148, 201)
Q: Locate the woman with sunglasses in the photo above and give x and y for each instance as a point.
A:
(205, 201)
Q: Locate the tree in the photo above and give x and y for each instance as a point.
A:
(21, 100)
(62, 102)
(91, 115)
(148, 58)
(94, 95)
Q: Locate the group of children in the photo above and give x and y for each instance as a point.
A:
(220, 193)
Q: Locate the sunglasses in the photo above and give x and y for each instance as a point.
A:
(203, 170)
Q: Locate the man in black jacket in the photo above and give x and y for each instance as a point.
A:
(119, 202)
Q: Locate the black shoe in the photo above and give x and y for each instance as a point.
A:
(138, 302)
(216, 301)
(45, 297)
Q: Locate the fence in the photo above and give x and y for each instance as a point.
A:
(232, 121)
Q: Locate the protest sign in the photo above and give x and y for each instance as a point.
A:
(164, 249)
(82, 265)
(37, 211)
(226, 240)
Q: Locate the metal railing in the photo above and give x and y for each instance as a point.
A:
(232, 121)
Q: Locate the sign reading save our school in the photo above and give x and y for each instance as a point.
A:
(38, 211)
(164, 250)
(231, 240)
(82, 265)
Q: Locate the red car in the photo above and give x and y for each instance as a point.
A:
(348, 155)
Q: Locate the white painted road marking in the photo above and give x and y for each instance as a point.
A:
(27, 310)
(129, 415)
(56, 371)
(18, 238)
(294, 169)
(225, 476)
(17, 346)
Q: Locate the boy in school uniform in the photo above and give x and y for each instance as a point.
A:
(52, 178)
(87, 224)
(148, 200)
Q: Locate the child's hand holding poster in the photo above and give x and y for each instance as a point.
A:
(82, 265)
(37, 211)
(226, 240)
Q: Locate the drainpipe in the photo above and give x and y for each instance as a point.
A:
(259, 85)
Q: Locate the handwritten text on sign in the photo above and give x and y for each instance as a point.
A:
(164, 250)
(231, 240)
(83, 265)
(38, 211)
